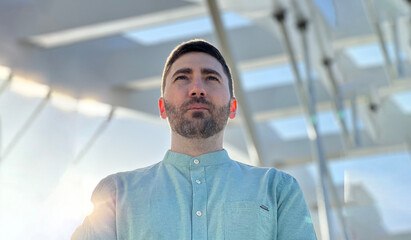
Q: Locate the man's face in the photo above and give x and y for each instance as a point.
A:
(196, 97)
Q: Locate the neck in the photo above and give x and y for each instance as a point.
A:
(196, 147)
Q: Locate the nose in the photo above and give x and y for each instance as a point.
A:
(197, 88)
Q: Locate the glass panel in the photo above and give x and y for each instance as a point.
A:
(403, 100)
(185, 29)
(375, 191)
(370, 54)
(278, 75)
(295, 127)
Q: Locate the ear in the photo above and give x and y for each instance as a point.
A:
(233, 108)
(162, 108)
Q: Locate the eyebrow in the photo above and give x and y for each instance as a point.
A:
(190, 71)
(210, 71)
(183, 70)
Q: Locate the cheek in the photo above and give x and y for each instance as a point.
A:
(172, 94)
(222, 96)
(174, 98)
(176, 90)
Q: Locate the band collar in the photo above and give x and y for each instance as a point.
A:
(208, 159)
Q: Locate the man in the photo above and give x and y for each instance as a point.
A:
(197, 191)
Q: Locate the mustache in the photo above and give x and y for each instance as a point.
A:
(194, 100)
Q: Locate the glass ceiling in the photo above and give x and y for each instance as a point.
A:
(273, 76)
(403, 100)
(327, 8)
(370, 54)
(185, 29)
(295, 127)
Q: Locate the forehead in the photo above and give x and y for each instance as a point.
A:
(197, 60)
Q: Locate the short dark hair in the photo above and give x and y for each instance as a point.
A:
(196, 45)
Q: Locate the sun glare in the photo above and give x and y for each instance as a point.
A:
(28, 88)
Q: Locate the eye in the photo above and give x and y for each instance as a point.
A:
(181, 77)
(212, 78)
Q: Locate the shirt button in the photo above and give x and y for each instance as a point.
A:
(196, 161)
(198, 213)
(198, 181)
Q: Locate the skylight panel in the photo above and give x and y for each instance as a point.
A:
(403, 100)
(370, 55)
(189, 28)
(266, 77)
(295, 127)
(278, 75)
(327, 8)
(290, 128)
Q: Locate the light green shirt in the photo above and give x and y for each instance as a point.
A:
(204, 197)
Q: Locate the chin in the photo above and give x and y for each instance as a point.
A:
(197, 115)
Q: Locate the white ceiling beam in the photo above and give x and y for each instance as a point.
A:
(83, 33)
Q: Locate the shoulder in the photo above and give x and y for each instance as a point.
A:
(275, 178)
(268, 172)
(136, 174)
(121, 180)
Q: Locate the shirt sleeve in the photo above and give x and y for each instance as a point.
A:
(101, 223)
(293, 216)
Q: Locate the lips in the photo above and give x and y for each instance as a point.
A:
(198, 107)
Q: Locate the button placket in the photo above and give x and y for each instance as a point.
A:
(199, 211)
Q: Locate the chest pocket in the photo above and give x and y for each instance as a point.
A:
(247, 220)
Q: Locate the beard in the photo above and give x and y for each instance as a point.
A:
(198, 126)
